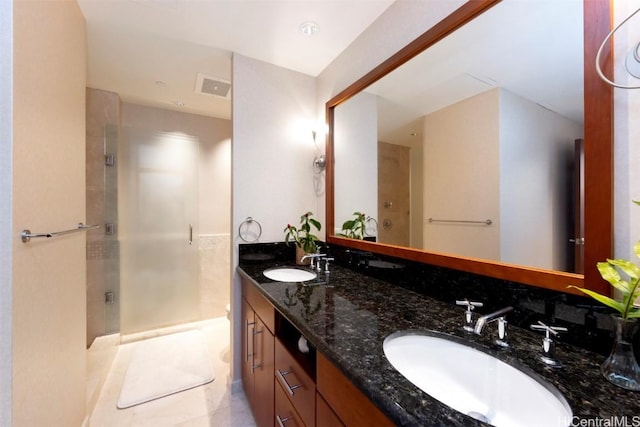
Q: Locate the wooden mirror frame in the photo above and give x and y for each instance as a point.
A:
(598, 154)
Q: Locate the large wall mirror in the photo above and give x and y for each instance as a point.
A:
(493, 157)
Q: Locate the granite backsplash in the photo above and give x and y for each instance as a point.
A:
(588, 322)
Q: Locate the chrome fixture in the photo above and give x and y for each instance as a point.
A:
(502, 333)
(27, 235)
(548, 346)
(461, 221)
(319, 259)
(313, 257)
(320, 161)
(326, 264)
(468, 314)
(250, 230)
(487, 318)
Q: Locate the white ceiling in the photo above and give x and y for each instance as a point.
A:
(150, 51)
(531, 48)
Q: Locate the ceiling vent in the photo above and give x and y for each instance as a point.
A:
(212, 86)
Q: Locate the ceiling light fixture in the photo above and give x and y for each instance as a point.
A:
(309, 28)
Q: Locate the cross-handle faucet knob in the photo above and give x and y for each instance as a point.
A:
(468, 314)
(548, 345)
(326, 264)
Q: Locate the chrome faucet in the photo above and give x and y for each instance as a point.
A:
(313, 256)
(483, 320)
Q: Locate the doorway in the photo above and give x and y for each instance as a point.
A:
(394, 194)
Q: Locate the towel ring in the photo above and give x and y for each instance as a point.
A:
(371, 227)
(245, 230)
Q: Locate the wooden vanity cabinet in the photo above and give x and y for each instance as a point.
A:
(288, 389)
(347, 402)
(258, 354)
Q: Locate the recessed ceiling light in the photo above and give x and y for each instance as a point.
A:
(160, 83)
(309, 28)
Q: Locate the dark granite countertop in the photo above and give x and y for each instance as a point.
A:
(347, 316)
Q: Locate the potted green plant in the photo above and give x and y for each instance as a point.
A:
(305, 240)
(354, 228)
(621, 367)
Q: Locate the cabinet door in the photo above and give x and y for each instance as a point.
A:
(325, 417)
(248, 327)
(263, 363)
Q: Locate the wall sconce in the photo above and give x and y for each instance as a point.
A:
(320, 161)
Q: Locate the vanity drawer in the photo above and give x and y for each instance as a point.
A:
(297, 385)
(285, 414)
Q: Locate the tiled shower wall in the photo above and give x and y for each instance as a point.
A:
(103, 265)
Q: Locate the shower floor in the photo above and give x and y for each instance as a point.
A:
(209, 405)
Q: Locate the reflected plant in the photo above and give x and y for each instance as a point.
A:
(354, 228)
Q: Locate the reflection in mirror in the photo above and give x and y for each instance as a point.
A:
(469, 149)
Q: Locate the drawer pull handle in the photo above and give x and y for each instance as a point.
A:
(281, 421)
(249, 352)
(285, 383)
(254, 366)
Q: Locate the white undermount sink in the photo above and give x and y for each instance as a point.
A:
(476, 383)
(288, 274)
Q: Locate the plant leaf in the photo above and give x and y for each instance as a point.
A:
(611, 275)
(636, 248)
(609, 302)
(629, 268)
(315, 223)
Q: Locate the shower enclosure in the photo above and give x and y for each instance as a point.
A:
(158, 229)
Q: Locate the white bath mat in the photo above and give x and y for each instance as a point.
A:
(165, 365)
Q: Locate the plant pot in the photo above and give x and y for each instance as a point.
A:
(621, 367)
(299, 254)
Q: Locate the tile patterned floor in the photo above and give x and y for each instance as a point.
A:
(206, 406)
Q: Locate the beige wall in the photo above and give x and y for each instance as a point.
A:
(49, 295)
(474, 147)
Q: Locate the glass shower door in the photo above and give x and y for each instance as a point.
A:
(158, 213)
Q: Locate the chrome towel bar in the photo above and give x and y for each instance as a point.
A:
(485, 222)
(27, 235)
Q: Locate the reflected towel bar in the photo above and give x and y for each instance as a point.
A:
(486, 222)
(27, 235)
